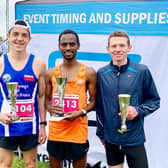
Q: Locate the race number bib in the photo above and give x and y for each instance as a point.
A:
(70, 102)
(24, 108)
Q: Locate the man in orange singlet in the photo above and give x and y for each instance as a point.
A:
(68, 138)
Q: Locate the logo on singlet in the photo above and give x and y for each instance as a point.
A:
(80, 81)
(6, 78)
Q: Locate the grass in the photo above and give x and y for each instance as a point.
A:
(19, 163)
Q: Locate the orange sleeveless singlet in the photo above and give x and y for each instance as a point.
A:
(75, 99)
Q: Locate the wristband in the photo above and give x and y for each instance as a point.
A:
(83, 112)
(43, 123)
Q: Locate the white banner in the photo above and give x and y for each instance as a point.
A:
(149, 50)
(153, 51)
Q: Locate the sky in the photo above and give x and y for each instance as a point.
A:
(4, 20)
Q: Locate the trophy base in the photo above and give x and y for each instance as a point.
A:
(122, 131)
(15, 118)
(56, 118)
(60, 115)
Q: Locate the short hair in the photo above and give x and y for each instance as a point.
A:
(22, 24)
(118, 33)
(68, 31)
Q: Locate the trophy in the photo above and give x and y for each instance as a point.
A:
(124, 101)
(61, 84)
(12, 91)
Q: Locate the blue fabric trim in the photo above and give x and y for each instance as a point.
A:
(109, 70)
(133, 70)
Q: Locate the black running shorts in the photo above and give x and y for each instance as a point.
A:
(24, 142)
(135, 155)
(67, 150)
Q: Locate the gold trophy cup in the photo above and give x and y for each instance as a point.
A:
(12, 91)
(124, 102)
(61, 84)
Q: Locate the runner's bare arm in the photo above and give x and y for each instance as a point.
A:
(1, 64)
(48, 83)
(91, 86)
(4, 117)
(40, 70)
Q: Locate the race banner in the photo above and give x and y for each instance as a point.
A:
(147, 18)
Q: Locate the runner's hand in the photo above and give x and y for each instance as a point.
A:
(5, 118)
(131, 113)
(54, 110)
(42, 135)
(71, 116)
